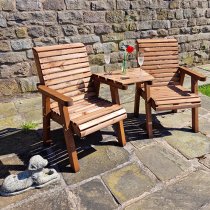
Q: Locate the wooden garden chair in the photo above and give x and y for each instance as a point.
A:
(70, 96)
(167, 91)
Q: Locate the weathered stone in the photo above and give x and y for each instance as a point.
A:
(97, 69)
(181, 195)
(178, 23)
(77, 4)
(70, 30)
(28, 5)
(7, 5)
(113, 37)
(173, 31)
(115, 16)
(94, 195)
(5, 46)
(21, 32)
(58, 199)
(44, 41)
(201, 21)
(102, 29)
(53, 31)
(157, 24)
(3, 22)
(87, 39)
(162, 14)
(8, 87)
(18, 69)
(175, 4)
(12, 57)
(191, 145)
(36, 31)
(86, 29)
(28, 84)
(21, 44)
(164, 163)
(97, 59)
(147, 14)
(148, 34)
(94, 17)
(100, 48)
(144, 25)
(43, 18)
(53, 5)
(123, 5)
(128, 182)
(120, 27)
(99, 159)
(179, 14)
(162, 32)
(7, 110)
(73, 17)
(7, 33)
(102, 5)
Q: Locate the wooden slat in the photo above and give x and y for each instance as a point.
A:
(175, 107)
(79, 92)
(66, 73)
(97, 114)
(160, 49)
(58, 47)
(155, 40)
(66, 68)
(160, 66)
(102, 125)
(159, 58)
(62, 57)
(153, 45)
(87, 95)
(178, 101)
(61, 52)
(64, 63)
(70, 83)
(68, 78)
(160, 71)
(160, 53)
(102, 119)
(150, 63)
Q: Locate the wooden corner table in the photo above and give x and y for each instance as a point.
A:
(133, 76)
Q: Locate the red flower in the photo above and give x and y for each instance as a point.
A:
(129, 49)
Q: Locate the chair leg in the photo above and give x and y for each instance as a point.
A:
(46, 120)
(71, 148)
(121, 133)
(195, 125)
(148, 109)
(46, 130)
(136, 103)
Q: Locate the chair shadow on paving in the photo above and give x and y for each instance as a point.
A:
(22, 145)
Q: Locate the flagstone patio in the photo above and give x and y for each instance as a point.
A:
(170, 171)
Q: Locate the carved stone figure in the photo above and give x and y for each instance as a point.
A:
(35, 177)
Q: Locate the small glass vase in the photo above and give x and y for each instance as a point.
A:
(124, 67)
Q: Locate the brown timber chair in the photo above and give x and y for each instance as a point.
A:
(70, 96)
(167, 91)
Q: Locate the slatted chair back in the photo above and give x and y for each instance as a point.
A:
(161, 60)
(65, 68)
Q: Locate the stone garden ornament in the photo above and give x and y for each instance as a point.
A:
(35, 177)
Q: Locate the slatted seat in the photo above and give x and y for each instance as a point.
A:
(167, 91)
(70, 96)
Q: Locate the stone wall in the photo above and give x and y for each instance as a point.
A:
(98, 24)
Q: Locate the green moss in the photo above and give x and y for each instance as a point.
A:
(205, 89)
(29, 126)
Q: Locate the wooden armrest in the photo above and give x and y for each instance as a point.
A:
(55, 95)
(191, 73)
(108, 81)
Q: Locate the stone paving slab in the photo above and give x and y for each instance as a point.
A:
(19, 142)
(164, 163)
(189, 194)
(96, 160)
(190, 144)
(57, 199)
(128, 182)
(7, 110)
(14, 165)
(205, 160)
(94, 195)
